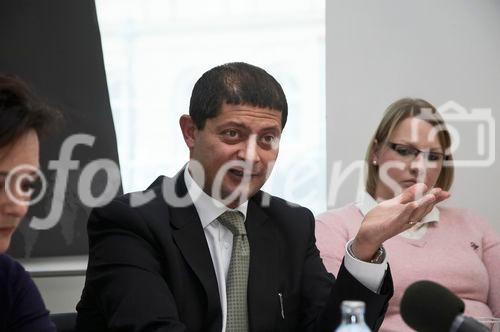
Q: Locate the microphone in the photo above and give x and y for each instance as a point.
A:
(429, 307)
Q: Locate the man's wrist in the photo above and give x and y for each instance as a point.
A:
(379, 256)
(372, 256)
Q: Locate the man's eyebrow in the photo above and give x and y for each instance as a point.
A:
(272, 128)
(239, 125)
(231, 123)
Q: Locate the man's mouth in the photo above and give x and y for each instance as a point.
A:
(240, 172)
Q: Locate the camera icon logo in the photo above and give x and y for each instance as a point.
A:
(472, 134)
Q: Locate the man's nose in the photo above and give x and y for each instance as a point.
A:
(249, 151)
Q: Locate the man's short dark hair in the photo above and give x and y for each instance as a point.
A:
(21, 111)
(236, 83)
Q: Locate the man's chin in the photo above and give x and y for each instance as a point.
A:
(231, 199)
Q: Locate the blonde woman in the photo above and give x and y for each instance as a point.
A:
(451, 246)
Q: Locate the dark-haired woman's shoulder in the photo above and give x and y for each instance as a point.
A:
(22, 305)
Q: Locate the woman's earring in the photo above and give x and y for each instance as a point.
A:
(374, 162)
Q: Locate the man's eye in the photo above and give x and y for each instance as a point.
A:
(268, 139)
(231, 133)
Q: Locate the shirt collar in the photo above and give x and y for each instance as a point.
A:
(207, 207)
(367, 202)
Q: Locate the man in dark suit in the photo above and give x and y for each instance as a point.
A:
(209, 251)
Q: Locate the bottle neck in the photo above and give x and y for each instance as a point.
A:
(353, 317)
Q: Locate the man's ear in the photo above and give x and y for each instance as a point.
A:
(188, 129)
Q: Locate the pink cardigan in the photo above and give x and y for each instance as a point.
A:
(461, 252)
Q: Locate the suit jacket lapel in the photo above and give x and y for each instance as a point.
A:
(190, 238)
(264, 267)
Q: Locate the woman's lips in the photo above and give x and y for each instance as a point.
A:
(408, 183)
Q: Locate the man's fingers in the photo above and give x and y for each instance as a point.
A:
(408, 211)
(443, 195)
(424, 205)
(427, 210)
(413, 193)
(417, 193)
(403, 211)
(440, 194)
(435, 191)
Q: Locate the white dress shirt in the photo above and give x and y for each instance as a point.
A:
(220, 244)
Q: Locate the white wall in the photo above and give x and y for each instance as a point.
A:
(379, 51)
(59, 279)
(60, 294)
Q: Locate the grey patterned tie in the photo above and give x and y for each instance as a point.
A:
(237, 276)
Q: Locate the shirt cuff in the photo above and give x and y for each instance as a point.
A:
(369, 274)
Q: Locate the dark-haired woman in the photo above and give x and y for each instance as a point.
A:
(23, 120)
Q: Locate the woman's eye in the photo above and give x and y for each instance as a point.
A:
(434, 157)
(404, 151)
(27, 185)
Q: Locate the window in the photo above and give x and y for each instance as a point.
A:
(155, 50)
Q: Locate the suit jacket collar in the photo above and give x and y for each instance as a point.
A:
(265, 253)
(208, 208)
(264, 275)
(190, 239)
